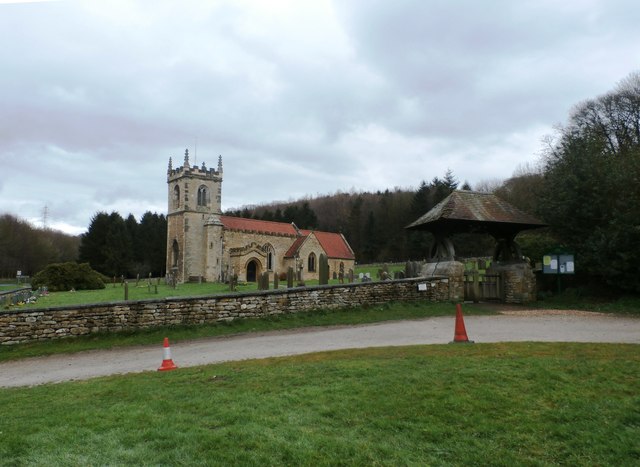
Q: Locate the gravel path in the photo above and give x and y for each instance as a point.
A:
(509, 326)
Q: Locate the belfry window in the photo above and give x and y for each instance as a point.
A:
(203, 196)
(176, 196)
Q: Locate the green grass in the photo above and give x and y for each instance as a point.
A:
(144, 291)
(373, 269)
(353, 316)
(484, 404)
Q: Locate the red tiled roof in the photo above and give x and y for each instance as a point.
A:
(335, 245)
(254, 225)
(295, 247)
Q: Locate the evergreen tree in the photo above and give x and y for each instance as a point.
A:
(107, 245)
(92, 242)
(371, 243)
(152, 238)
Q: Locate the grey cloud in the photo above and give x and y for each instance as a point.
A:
(97, 97)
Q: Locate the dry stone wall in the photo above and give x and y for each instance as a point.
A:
(54, 323)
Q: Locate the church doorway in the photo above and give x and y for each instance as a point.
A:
(253, 269)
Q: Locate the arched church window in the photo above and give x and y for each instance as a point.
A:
(268, 249)
(203, 196)
(176, 196)
(311, 263)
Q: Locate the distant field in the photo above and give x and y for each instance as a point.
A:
(483, 404)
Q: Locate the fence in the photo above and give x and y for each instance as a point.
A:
(479, 287)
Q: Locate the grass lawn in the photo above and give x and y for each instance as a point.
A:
(483, 404)
(155, 289)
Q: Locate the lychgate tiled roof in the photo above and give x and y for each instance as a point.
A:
(470, 210)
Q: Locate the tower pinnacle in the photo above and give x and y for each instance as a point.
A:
(186, 158)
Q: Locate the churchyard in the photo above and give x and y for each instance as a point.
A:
(152, 288)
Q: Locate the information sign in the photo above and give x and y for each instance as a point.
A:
(558, 264)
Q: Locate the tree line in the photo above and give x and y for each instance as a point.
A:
(118, 247)
(28, 249)
(372, 222)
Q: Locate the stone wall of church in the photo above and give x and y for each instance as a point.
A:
(239, 239)
(54, 323)
(175, 232)
(311, 245)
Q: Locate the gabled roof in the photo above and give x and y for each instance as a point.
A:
(464, 211)
(334, 244)
(258, 226)
(291, 252)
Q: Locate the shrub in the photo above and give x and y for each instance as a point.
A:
(67, 276)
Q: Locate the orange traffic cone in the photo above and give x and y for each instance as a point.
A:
(167, 362)
(461, 332)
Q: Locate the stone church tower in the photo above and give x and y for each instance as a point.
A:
(195, 232)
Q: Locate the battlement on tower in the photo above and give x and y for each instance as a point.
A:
(194, 171)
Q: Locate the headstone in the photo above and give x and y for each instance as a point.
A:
(290, 277)
(323, 273)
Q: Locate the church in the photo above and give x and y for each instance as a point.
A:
(204, 245)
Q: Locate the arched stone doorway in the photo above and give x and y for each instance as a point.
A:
(253, 269)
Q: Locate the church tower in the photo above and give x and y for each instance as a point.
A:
(194, 230)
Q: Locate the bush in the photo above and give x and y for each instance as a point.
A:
(67, 276)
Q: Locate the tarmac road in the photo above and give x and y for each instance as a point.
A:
(541, 326)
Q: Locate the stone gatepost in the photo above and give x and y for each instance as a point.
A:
(517, 281)
(453, 270)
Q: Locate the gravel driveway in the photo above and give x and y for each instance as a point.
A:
(541, 326)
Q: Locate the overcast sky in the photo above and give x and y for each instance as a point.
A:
(299, 97)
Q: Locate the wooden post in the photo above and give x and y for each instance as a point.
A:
(476, 287)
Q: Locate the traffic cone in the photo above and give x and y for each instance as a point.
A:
(461, 332)
(167, 362)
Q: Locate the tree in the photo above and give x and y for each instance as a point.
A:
(591, 194)
(107, 245)
(66, 276)
(152, 241)
(371, 240)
